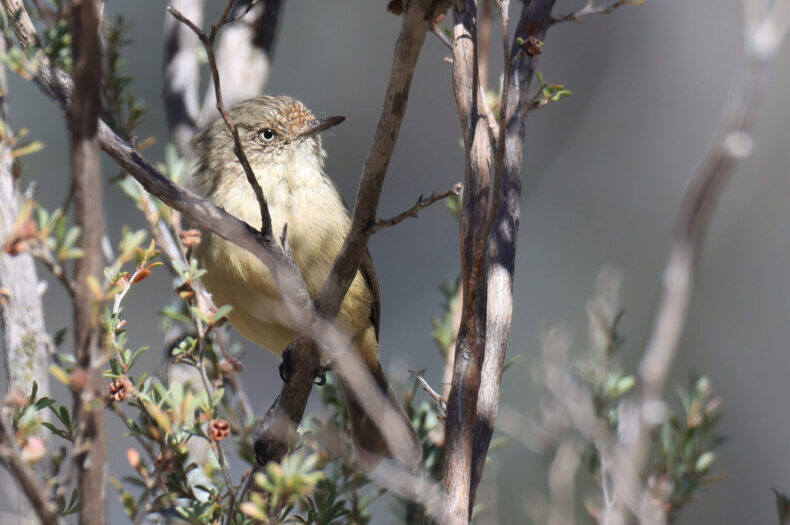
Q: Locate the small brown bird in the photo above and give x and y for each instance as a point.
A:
(282, 142)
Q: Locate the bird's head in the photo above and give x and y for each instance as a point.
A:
(274, 131)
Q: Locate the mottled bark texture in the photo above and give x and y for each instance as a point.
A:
(470, 342)
(501, 248)
(25, 339)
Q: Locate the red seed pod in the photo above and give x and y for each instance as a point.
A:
(219, 429)
(121, 389)
(532, 46)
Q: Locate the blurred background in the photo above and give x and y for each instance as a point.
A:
(603, 174)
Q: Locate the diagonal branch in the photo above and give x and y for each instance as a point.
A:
(244, 53)
(291, 403)
(238, 149)
(590, 8)
(764, 33)
(407, 49)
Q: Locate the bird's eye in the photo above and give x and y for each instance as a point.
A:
(268, 134)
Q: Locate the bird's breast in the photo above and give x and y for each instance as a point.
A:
(305, 200)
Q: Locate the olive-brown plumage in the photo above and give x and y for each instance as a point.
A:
(282, 142)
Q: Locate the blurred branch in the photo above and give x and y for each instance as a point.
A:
(733, 142)
(421, 204)
(181, 80)
(31, 484)
(470, 342)
(591, 9)
(764, 33)
(26, 342)
(244, 53)
(25, 339)
(90, 443)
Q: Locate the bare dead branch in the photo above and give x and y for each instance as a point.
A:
(591, 9)
(91, 438)
(470, 343)
(181, 74)
(439, 401)
(238, 149)
(421, 204)
(503, 220)
(33, 487)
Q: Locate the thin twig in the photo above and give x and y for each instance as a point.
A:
(42, 253)
(238, 148)
(441, 402)
(244, 54)
(33, 487)
(421, 204)
(591, 9)
(223, 464)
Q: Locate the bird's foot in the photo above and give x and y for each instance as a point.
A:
(320, 374)
(287, 367)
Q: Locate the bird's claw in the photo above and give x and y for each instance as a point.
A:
(320, 374)
(286, 369)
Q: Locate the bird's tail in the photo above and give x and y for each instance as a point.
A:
(371, 446)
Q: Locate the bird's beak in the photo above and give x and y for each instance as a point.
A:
(321, 124)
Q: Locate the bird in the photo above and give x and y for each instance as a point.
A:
(281, 138)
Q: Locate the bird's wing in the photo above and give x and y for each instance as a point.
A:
(369, 273)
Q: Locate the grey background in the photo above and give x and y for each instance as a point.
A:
(603, 174)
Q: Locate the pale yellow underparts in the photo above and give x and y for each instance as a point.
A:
(300, 194)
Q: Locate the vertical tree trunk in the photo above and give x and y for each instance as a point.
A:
(83, 125)
(25, 338)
